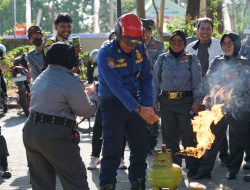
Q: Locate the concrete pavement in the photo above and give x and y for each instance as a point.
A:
(12, 124)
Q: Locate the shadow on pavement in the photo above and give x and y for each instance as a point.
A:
(14, 121)
(21, 183)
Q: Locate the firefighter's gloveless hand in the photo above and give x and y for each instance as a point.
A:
(90, 89)
(148, 114)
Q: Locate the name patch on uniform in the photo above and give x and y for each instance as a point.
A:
(122, 63)
(139, 57)
(112, 63)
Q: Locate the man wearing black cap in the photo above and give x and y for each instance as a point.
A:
(35, 57)
(154, 48)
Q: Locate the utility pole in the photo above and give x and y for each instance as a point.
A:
(118, 8)
(112, 15)
(14, 14)
(28, 14)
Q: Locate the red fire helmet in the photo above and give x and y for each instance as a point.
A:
(129, 26)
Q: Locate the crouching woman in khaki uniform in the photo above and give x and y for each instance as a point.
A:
(49, 135)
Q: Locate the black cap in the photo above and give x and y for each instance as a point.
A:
(148, 23)
(34, 29)
(179, 33)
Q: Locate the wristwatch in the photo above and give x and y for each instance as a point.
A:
(137, 109)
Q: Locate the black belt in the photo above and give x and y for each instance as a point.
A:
(44, 118)
(175, 95)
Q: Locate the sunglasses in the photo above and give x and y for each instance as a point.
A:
(131, 43)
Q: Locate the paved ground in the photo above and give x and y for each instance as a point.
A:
(12, 125)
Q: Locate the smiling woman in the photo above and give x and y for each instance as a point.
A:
(176, 83)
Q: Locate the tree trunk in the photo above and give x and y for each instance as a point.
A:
(193, 10)
(112, 14)
(159, 19)
(218, 11)
(140, 8)
(96, 16)
(203, 7)
(232, 15)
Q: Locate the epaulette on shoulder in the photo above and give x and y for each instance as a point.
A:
(242, 58)
(50, 41)
(219, 57)
(31, 51)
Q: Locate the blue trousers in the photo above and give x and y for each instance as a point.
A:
(117, 121)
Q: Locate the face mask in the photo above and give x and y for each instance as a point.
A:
(37, 41)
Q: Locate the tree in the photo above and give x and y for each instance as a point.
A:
(140, 8)
(81, 10)
(3, 4)
(159, 19)
(193, 10)
(214, 11)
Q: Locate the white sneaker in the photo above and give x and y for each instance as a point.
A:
(122, 165)
(94, 161)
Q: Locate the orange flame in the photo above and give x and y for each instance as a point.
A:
(202, 122)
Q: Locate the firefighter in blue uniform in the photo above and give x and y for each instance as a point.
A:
(125, 90)
(154, 48)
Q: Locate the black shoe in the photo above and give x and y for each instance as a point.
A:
(192, 172)
(107, 187)
(138, 184)
(6, 175)
(231, 175)
(201, 175)
(5, 108)
(246, 166)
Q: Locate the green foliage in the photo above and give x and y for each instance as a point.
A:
(9, 60)
(3, 4)
(81, 11)
(104, 13)
(128, 5)
(216, 22)
(84, 57)
(180, 23)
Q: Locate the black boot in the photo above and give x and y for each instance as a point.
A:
(6, 175)
(201, 175)
(138, 184)
(107, 187)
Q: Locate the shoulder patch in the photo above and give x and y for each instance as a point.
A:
(139, 57)
(185, 58)
(49, 42)
(111, 62)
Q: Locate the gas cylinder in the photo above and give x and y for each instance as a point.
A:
(163, 173)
